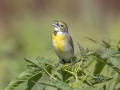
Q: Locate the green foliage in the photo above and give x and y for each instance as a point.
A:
(59, 84)
(86, 71)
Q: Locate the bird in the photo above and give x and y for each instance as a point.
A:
(62, 42)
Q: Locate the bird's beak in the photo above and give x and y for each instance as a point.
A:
(54, 25)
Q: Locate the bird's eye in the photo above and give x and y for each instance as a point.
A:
(62, 25)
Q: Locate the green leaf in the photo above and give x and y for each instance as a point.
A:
(104, 87)
(99, 67)
(88, 62)
(75, 59)
(92, 40)
(57, 74)
(40, 87)
(114, 61)
(58, 84)
(105, 55)
(97, 79)
(81, 49)
(109, 53)
(41, 62)
(78, 89)
(107, 45)
(112, 83)
(32, 81)
(26, 75)
(31, 73)
(75, 85)
(65, 76)
(116, 68)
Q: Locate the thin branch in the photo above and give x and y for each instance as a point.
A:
(49, 74)
(86, 75)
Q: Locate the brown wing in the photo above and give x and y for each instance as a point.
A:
(71, 42)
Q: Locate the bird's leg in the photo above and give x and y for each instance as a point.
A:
(57, 64)
(71, 64)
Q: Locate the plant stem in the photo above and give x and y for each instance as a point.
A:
(76, 78)
(73, 74)
(117, 80)
(86, 75)
(49, 74)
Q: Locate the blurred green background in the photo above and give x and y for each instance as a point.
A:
(25, 29)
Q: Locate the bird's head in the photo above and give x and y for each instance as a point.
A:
(60, 26)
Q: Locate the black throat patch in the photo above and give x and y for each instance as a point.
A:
(55, 33)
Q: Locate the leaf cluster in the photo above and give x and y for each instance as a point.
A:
(85, 73)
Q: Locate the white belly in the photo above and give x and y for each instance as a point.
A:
(66, 51)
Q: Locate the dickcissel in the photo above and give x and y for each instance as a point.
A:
(62, 42)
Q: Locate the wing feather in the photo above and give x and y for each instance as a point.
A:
(71, 42)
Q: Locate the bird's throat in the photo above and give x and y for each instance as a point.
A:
(55, 32)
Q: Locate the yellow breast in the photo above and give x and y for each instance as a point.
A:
(58, 42)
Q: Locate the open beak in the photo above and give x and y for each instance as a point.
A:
(54, 25)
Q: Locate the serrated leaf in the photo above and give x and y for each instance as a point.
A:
(26, 75)
(112, 66)
(56, 72)
(92, 40)
(114, 61)
(32, 81)
(41, 62)
(81, 49)
(58, 84)
(91, 80)
(105, 55)
(31, 72)
(109, 53)
(98, 79)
